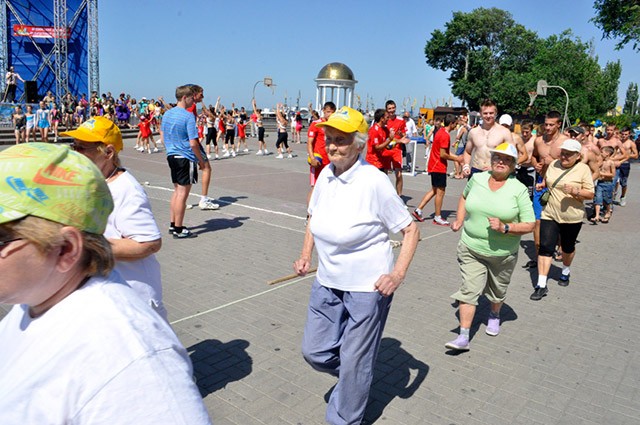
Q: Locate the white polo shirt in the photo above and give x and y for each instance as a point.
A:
(351, 216)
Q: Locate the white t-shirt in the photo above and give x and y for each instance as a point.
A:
(132, 218)
(351, 216)
(99, 356)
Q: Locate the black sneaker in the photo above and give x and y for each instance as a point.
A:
(185, 234)
(531, 264)
(539, 293)
(172, 229)
(564, 280)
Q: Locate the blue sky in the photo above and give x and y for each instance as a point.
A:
(147, 48)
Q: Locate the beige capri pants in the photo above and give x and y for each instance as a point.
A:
(483, 274)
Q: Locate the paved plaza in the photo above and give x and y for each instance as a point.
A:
(571, 358)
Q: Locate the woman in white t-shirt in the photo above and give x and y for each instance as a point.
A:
(351, 211)
(131, 227)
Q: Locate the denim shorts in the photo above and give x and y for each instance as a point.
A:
(604, 193)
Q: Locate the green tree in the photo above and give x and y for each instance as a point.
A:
(619, 19)
(631, 99)
(477, 45)
(489, 55)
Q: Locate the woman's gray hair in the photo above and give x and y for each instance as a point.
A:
(360, 139)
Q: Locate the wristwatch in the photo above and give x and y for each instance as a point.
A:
(506, 229)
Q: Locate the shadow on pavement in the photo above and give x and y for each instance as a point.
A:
(214, 224)
(392, 377)
(215, 363)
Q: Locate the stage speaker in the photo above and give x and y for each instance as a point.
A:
(31, 91)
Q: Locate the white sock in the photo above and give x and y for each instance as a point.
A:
(203, 198)
(542, 281)
(419, 211)
(437, 217)
(565, 270)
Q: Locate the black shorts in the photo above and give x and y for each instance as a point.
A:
(183, 171)
(549, 233)
(438, 180)
(212, 133)
(229, 135)
(260, 134)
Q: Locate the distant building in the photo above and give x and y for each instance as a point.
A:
(335, 82)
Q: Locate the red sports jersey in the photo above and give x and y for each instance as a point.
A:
(441, 140)
(319, 146)
(377, 135)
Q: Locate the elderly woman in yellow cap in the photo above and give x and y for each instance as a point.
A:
(131, 228)
(351, 211)
(494, 211)
(78, 346)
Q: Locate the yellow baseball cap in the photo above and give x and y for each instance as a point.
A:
(347, 120)
(98, 129)
(55, 183)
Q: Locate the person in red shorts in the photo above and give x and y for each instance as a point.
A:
(242, 135)
(378, 140)
(437, 168)
(396, 126)
(316, 145)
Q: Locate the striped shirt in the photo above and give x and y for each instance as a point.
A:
(179, 127)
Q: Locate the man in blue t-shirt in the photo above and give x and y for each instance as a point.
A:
(183, 155)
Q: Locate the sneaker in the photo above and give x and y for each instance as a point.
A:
(185, 234)
(266, 152)
(417, 216)
(539, 293)
(493, 326)
(259, 152)
(279, 156)
(233, 154)
(564, 279)
(289, 156)
(226, 154)
(245, 150)
(208, 204)
(208, 156)
(461, 343)
(189, 206)
(623, 202)
(149, 151)
(440, 222)
(155, 150)
(171, 230)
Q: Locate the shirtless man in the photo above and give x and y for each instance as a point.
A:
(525, 172)
(477, 154)
(590, 156)
(546, 148)
(623, 166)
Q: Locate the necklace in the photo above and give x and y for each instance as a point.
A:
(113, 173)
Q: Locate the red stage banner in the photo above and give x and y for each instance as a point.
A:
(39, 32)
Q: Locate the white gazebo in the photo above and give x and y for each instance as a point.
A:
(335, 82)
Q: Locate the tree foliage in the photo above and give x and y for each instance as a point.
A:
(619, 19)
(631, 100)
(489, 55)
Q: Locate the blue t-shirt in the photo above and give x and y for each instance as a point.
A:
(179, 127)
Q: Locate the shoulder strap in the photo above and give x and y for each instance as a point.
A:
(562, 175)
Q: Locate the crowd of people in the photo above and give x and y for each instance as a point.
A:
(96, 241)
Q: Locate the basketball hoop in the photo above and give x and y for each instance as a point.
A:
(532, 97)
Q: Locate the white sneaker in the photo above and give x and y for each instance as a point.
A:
(226, 154)
(208, 204)
(289, 156)
(623, 202)
(217, 156)
(266, 152)
(245, 150)
(259, 152)
(155, 150)
(440, 222)
(233, 154)
(279, 156)
(208, 156)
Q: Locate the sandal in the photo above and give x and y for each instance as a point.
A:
(604, 219)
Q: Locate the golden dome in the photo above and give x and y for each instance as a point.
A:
(335, 71)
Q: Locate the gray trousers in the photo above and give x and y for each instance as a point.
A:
(341, 337)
